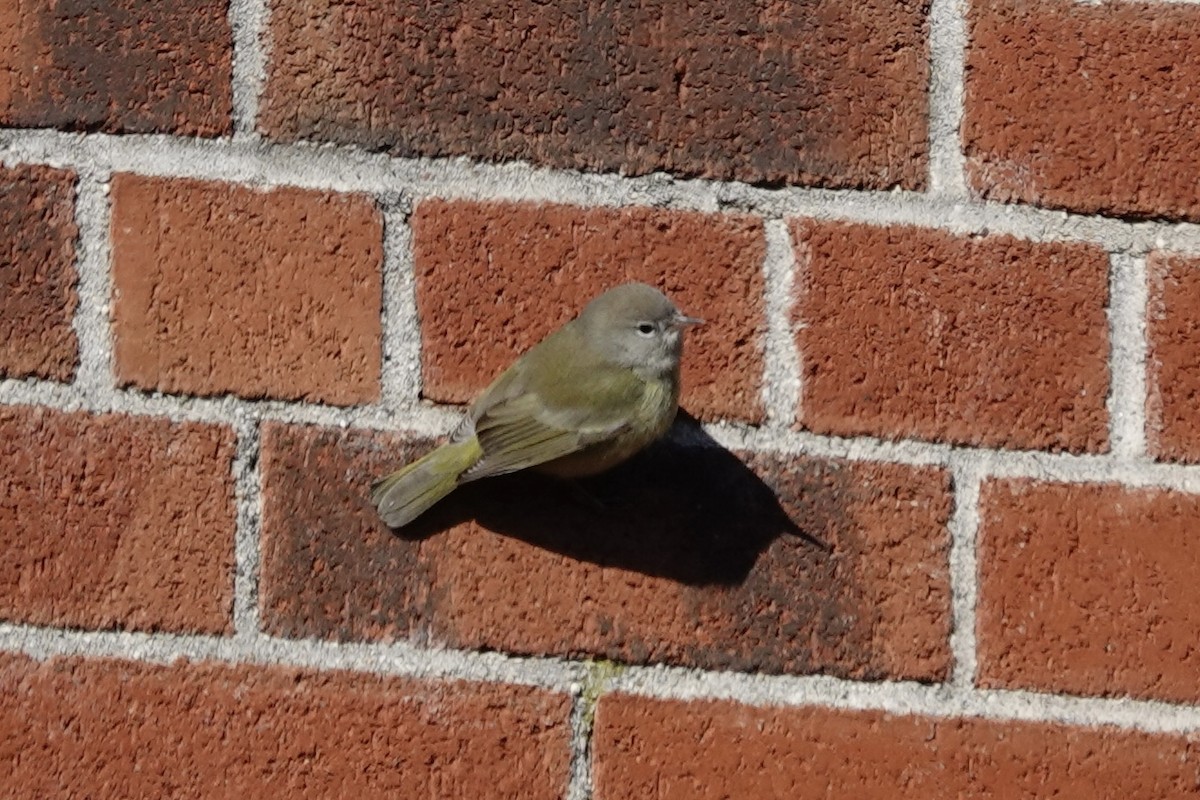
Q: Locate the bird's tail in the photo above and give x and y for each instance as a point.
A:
(409, 491)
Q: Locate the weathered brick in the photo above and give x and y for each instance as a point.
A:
(115, 522)
(717, 749)
(826, 92)
(223, 288)
(329, 567)
(1173, 366)
(37, 273)
(1089, 589)
(683, 555)
(1093, 107)
(982, 340)
(493, 279)
(104, 728)
(122, 66)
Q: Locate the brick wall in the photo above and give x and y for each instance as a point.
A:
(253, 255)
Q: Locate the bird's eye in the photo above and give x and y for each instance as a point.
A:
(645, 328)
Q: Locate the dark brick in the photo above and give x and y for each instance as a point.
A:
(824, 92)
(37, 273)
(329, 567)
(122, 66)
(684, 556)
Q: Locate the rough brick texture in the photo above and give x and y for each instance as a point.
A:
(824, 92)
(988, 340)
(115, 522)
(695, 750)
(221, 288)
(493, 279)
(37, 273)
(1173, 365)
(1089, 589)
(1093, 107)
(715, 577)
(79, 728)
(123, 66)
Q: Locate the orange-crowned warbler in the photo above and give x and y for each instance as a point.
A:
(584, 399)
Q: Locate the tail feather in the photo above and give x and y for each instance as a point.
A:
(410, 491)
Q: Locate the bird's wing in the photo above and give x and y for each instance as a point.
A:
(531, 428)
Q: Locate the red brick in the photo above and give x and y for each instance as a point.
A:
(115, 522)
(824, 92)
(682, 556)
(493, 279)
(223, 288)
(1173, 366)
(122, 66)
(719, 749)
(37, 273)
(981, 340)
(1089, 589)
(1093, 107)
(103, 728)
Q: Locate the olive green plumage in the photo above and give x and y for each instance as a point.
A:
(586, 398)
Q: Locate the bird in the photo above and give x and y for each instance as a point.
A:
(584, 399)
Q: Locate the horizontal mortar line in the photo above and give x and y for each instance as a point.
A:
(906, 698)
(1058, 467)
(392, 659)
(401, 659)
(227, 409)
(349, 169)
(434, 421)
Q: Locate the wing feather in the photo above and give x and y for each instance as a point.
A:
(521, 434)
(530, 416)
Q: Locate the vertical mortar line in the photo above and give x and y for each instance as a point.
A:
(600, 675)
(401, 371)
(781, 362)
(248, 491)
(248, 21)
(947, 54)
(93, 317)
(1127, 301)
(967, 472)
(579, 781)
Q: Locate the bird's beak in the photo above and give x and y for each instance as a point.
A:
(683, 321)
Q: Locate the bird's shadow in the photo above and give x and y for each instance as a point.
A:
(685, 509)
